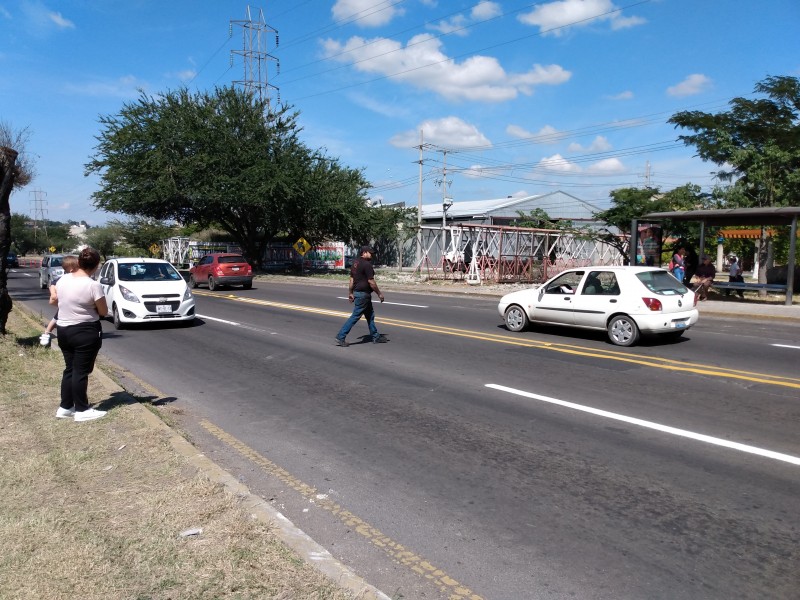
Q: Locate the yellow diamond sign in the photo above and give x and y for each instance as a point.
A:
(302, 246)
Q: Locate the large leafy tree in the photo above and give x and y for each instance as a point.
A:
(223, 160)
(16, 171)
(756, 145)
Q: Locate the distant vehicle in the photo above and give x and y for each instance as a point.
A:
(624, 301)
(51, 269)
(143, 290)
(12, 261)
(221, 269)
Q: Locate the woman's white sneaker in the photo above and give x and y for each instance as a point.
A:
(44, 339)
(89, 415)
(65, 413)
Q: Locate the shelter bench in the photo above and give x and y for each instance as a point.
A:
(738, 285)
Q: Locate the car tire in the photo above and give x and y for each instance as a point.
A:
(42, 284)
(248, 286)
(118, 324)
(623, 331)
(212, 285)
(192, 282)
(516, 319)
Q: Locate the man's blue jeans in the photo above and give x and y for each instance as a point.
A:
(361, 306)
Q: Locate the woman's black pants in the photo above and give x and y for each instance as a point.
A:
(79, 344)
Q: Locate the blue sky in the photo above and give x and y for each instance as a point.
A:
(518, 98)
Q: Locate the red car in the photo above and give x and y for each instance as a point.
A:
(221, 269)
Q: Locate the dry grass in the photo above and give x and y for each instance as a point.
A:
(95, 510)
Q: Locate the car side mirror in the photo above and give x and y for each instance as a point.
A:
(106, 281)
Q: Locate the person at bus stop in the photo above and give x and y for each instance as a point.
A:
(735, 275)
(704, 277)
(677, 266)
(362, 284)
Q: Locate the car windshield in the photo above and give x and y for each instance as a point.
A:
(231, 259)
(662, 282)
(148, 272)
(55, 261)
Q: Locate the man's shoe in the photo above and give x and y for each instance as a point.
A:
(44, 339)
(65, 413)
(342, 343)
(381, 339)
(89, 415)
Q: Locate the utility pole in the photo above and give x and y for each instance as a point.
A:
(446, 201)
(647, 174)
(419, 204)
(39, 210)
(255, 57)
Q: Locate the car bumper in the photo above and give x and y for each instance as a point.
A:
(234, 279)
(136, 312)
(666, 322)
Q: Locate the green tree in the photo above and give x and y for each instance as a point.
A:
(16, 171)
(22, 234)
(756, 144)
(103, 239)
(222, 159)
(142, 233)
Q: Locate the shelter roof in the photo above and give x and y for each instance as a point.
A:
(726, 217)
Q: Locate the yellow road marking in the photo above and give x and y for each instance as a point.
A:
(652, 362)
(396, 551)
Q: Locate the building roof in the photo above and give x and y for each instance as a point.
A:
(773, 215)
(557, 204)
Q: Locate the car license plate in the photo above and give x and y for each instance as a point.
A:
(163, 308)
(234, 268)
(679, 324)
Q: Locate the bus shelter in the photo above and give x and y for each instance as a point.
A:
(730, 217)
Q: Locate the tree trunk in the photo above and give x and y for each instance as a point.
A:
(8, 159)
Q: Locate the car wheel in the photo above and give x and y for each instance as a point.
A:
(42, 284)
(192, 282)
(623, 331)
(118, 324)
(516, 318)
(248, 286)
(212, 285)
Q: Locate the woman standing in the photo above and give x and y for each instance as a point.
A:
(81, 304)
(678, 265)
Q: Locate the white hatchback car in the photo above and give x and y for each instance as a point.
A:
(142, 290)
(625, 301)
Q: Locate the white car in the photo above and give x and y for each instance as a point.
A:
(145, 290)
(625, 301)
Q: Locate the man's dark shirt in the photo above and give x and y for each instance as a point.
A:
(362, 272)
(706, 270)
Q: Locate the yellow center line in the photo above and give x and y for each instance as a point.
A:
(652, 362)
(397, 552)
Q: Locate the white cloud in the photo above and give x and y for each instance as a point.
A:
(550, 133)
(693, 84)
(626, 95)
(378, 106)
(556, 17)
(475, 172)
(365, 13)
(422, 64)
(485, 10)
(60, 21)
(455, 24)
(558, 164)
(449, 132)
(124, 87)
(607, 166)
(185, 75)
(599, 144)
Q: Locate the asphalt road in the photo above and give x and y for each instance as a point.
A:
(460, 460)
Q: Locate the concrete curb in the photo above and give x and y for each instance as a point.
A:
(286, 531)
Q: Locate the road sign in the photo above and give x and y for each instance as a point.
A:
(52, 248)
(302, 246)
(154, 249)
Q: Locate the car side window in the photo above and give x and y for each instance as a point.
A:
(601, 283)
(566, 283)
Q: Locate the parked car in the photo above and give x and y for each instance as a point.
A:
(144, 290)
(221, 269)
(12, 261)
(624, 301)
(50, 270)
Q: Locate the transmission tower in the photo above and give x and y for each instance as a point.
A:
(39, 211)
(255, 57)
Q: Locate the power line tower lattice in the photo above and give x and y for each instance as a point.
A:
(255, 57)
(39, 210)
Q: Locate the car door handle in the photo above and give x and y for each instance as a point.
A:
(613, 301)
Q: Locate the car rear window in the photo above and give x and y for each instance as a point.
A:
(232, 259)
(662, 282)
(148, 272)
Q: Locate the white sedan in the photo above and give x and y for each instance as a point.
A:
(144, 290)
(625, 301)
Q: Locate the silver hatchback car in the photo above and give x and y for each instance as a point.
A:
(51, 269)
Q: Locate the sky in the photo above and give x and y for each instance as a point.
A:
(507, 98)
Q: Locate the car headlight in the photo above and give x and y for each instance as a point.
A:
(127, 294)
(187, 295)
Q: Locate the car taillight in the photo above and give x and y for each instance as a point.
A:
(220, 272)
(653, 304)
